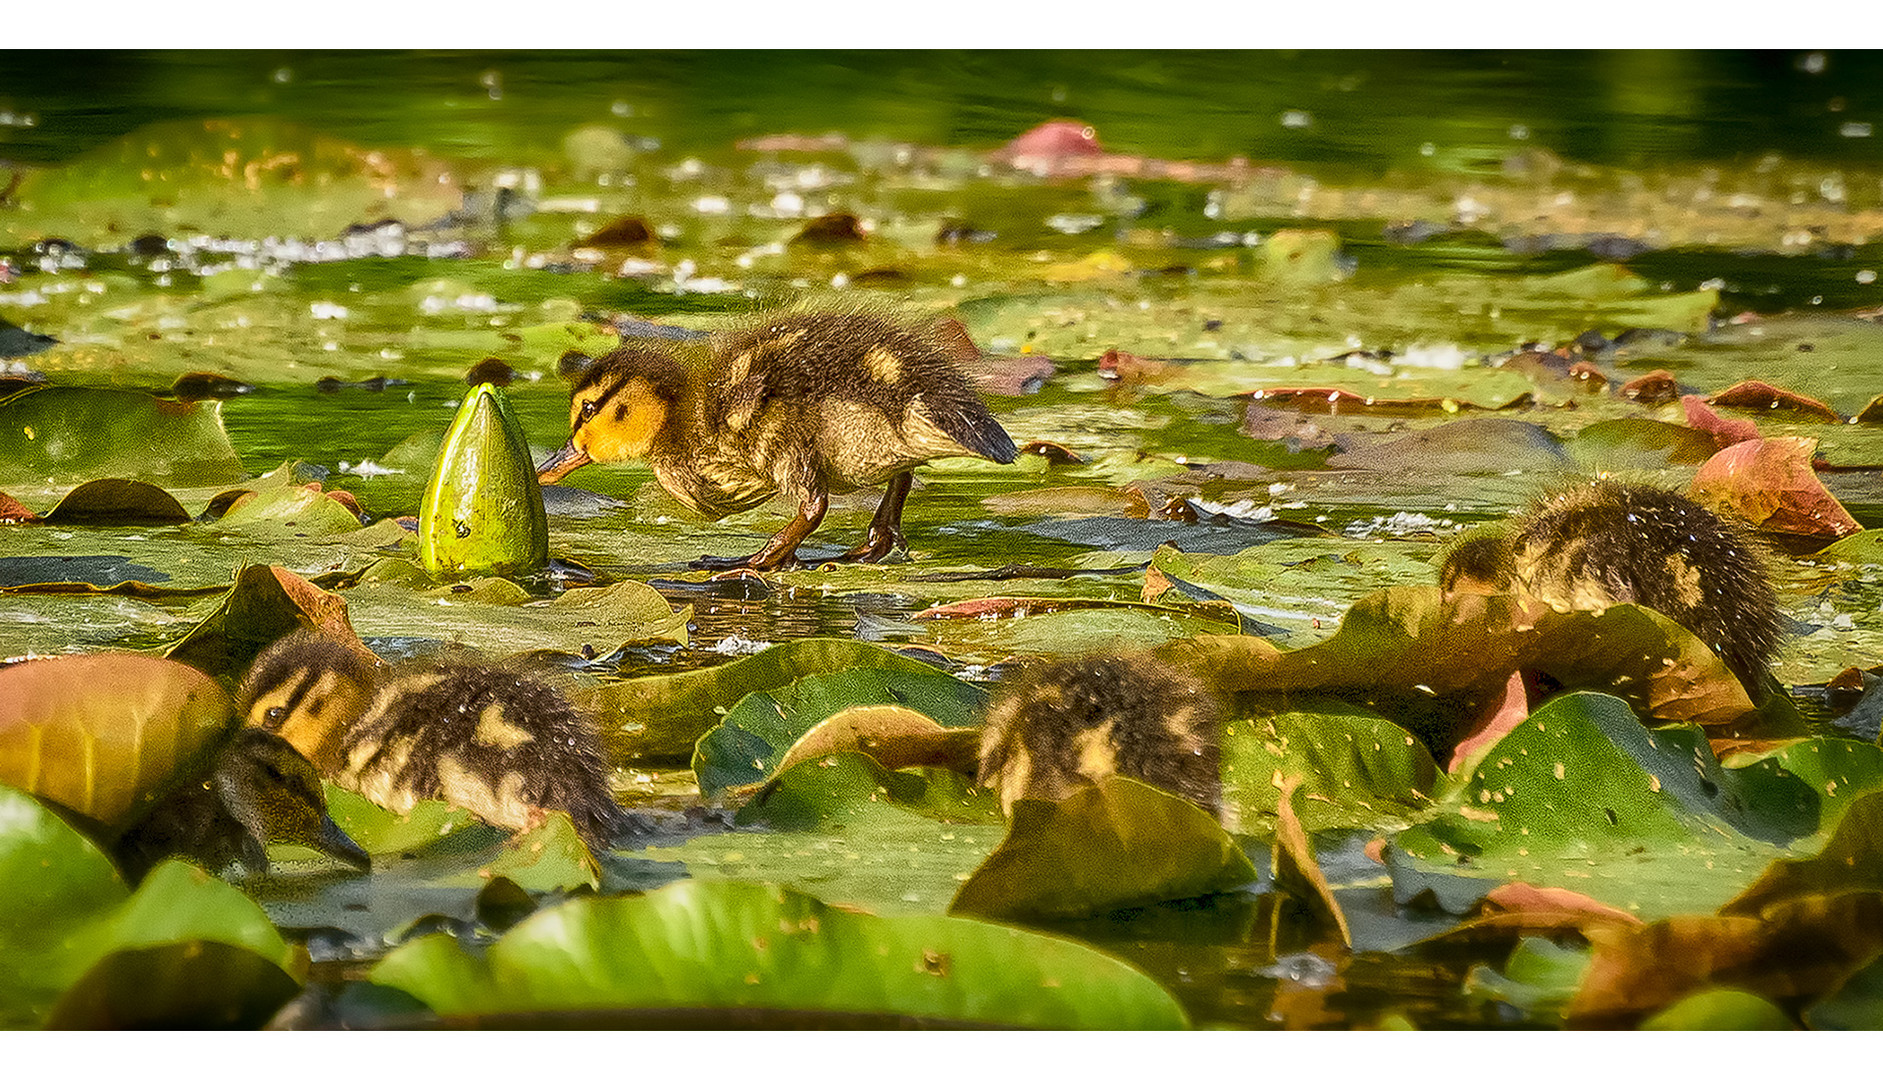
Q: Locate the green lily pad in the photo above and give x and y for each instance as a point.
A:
(1357, 769)
(63, 908)
(662, 717)
(292, 511)
(550, 856)
(1839, 770)
(833, 789)
(1540, 977)
(386, 832)
(179, 985)
(1633, 444)
(1852, 861)
(69, 433)
(755, 735)
(699, 944)
(1720, 1010)
(1581, 796)
(1117, 844)
(483, 509)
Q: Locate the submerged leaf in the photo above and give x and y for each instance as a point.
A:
(751, 946)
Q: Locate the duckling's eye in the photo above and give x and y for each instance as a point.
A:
(276, 714)
(274, 775)
(588, 411)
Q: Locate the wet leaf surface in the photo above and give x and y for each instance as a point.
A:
(709, 944)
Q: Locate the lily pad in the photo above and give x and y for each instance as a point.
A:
(293, 511)
(757, 734)
(727, 944)
(117, 502)
(179, 985)
(265, 603)
(1720, 1010)
(1356, 769)
(70, 433)
(663, 716)
(496, 616)
(1117, 844)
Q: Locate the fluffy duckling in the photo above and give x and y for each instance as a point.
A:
(1607, 542)
(1059, 725)
(260, 790)
(500, 744)
(806, 404)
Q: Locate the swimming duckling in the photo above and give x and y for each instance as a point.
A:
(1607, 542)
(806, 404)
(500, 744)
(1059, 725)
(260, 791)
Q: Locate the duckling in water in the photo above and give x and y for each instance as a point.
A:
(1607, 542)
(1059, 725)
(500, 744)
(259, 791)
(806, 404)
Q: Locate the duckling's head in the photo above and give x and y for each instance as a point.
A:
(1060, 725)
(274, 794)
(307, 688)
(620, 405)
(1481, 561)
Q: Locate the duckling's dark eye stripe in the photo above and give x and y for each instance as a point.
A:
(300, 691)
(593, 408)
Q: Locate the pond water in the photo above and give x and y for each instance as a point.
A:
(1401, 224)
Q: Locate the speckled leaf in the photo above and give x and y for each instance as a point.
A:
(713, 944)
(1117, 844)
(1357, 769)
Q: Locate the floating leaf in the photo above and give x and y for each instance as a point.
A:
(1634, 443)
(894, 735)
(496, 616)
(1540, 977)
(663, 716)
(1580, 789)
(386, 832)
(725, 944)
(1356, 769)
(117, 502)
(1856, 1005)
(483, 509)
(1719, 1010)
(1770, 483)
(74, 433)
(1754, 394)
(1117, 844)
(1722, 431)
(295, 511)
(757, 734)
(265, 604)
(549, 856)
(107, 733)
(1851, 861)
(181, 985)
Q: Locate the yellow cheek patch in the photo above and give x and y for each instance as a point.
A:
(626, 425)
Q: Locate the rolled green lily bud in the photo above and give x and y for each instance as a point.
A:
(483, 509)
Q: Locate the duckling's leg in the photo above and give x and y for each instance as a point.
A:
(885, 533)
(781, 551)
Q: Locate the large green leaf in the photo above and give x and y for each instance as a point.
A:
(496, 616)
(661, 717)
(755, 735)
(1357, 769)
(1117, 844)
(1581, 796)
(63, 909)
(736, 945)
(73, 433)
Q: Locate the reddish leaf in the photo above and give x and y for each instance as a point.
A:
(1654, 388)
(1499, 720)
(1770, 483)
(1519, 904)
(1725, 431)
(1753, 394)
(1130, 367)
(12, 513)
(1298, 873)
(1053, 139)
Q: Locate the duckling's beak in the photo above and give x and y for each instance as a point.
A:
(332, 841)
(561, 463)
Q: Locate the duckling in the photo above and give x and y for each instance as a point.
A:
(259, 791)
(806, 404)
(1607, 542)
(500, 744)
(1059, 725)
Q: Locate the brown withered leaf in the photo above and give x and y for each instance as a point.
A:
(1298, 873)
(1754, 394)
(13, 513)
(1852, 861)
(1770, 483)
(1724, 430)
(1654, 388)
(265, 603)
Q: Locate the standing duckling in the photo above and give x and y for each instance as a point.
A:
(502, 745)
(806, 404)
(1607, 542)
(1060, 725)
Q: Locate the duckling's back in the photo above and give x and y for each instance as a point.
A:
(874, 396)
(501, 744)
(1063, 724)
